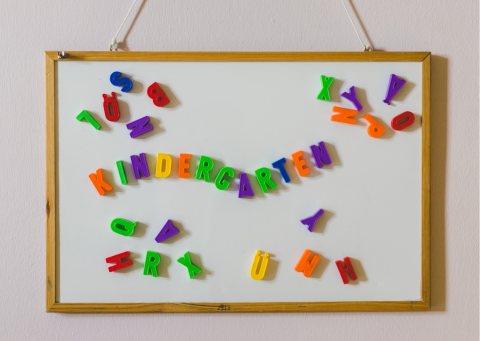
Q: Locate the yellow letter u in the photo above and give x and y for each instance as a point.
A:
(256, 261)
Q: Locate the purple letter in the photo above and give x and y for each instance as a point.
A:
(394, 86)
(245, 189)
(168, 231)
(352, 97)
(312, 220)
(139, 126)
(320, 154)
(139, 166)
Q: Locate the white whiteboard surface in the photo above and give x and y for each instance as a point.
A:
(245, 115)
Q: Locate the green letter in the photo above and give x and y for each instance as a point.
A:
(326, 82)
(263, 177)
(151, 261)
(123, 227)
(205, 166)
(223, 184)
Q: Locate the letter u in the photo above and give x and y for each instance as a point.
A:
(258, 258)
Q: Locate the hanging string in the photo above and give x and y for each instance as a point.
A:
(113, 44)
(366, 48)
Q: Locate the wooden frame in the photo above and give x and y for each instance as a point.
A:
(51, 204)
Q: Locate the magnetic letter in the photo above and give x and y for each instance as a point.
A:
(139, 166)
(312, 220)
(156, 93)
(100, 185)
(394, 85)
(244, 188)
(118, 260)
(305, 266)
(183, 165)
(151, 261)
(375, 129)
(205, 166)
(223, 183)
(110, 107)
(320, 154)
(121, 172)
(402, 121)
(352, 97)
(326, 82)
(160, 173)
(255, 272)
(263, 177)
(140, 126)
(85, 115)
(120, 82)
(192, 269)
(344, 115)
(300, 163)
(348, 269)
(279, 164)
(167, 231)
(123, 227)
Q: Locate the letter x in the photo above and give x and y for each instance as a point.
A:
(192, 269)
(326, 82)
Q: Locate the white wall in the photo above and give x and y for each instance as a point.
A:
(449, 29)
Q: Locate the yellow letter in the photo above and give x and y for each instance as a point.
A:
(168, 165)
(263, 267)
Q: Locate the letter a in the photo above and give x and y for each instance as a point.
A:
(326, 82)
(394, 86)
(305, 266)
(244, 188)
(167, 231)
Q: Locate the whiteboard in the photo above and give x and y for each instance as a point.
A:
(245, 115)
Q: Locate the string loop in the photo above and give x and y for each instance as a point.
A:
(113, 43)
(366, 48)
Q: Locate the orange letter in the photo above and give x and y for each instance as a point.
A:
(300, 163)
(182, 165)
(344, 115)
(305, 266)
(99, 183)
(375, 129)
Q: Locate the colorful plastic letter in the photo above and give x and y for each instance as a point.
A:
(300, 163)
(312, 220)
(306, 266)
(121, 81)
(352, 97)
(344, 115)
(140, 126)
(151, 261)
(320, 154)
(244, 188)
(394, 85)
(264, 178)
(123, 227)
(402, 121)
(183, 165)
(85, 115)
(258, 271)
(192, 269)
(99, 183)
(222, 183)
(121, 172)
(326, 82)
(348, 269)
(110, 107)
(156, 93)
(279, 164)
(117, 259)
(375, 129)
(160, 173)
(205, 166)
(139, 166)
(167, 231)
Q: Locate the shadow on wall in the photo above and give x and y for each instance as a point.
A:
(438, 159)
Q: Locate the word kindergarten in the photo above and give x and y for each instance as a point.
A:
(224, 177)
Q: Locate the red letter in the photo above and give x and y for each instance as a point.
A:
(300, 163)
(99, 183)
(402, 121)
(156, 93)
(305, 266)
(118, 260)
(347, 270)
(344, 115)
(111, 102)
(182, 165)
